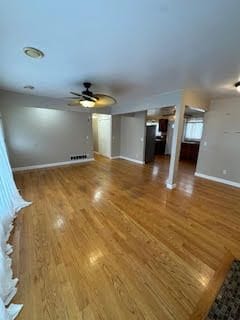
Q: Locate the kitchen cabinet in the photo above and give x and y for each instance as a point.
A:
(160, 146)
(163, 125)
(189, 151)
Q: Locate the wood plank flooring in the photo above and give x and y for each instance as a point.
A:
(107, 241)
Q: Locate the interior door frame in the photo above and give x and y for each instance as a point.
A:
(107, 117)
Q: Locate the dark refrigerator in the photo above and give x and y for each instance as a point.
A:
(150, 143)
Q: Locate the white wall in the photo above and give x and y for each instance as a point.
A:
(8, 98)
(155, 101)
(220, 144)
(38, 136)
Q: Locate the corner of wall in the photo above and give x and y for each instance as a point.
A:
(196, 99)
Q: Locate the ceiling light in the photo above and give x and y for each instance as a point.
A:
(29, 87)
(87, 103)
(33, 52)
(237, 86)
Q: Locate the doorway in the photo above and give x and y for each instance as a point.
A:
(192, 135)
(159, 132)
(161, 127)
(102, 132)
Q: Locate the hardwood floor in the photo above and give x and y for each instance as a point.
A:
(107, 240)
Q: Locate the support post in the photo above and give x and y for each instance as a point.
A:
(176, 145)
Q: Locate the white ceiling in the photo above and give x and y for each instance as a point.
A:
(128, 48)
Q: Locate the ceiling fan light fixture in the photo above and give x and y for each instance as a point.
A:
(237, 86)
(87, 103)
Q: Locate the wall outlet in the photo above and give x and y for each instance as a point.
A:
(224, 171)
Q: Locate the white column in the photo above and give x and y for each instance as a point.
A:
(176, 145)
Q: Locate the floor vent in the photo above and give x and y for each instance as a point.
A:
(79, 157)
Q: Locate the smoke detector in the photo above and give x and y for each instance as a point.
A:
(33, 52)
(29, 87)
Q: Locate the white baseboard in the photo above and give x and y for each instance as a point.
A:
(126, 158)
(171, 186)
(133, 160)
(49, 165)
(216, 179)
(102, 155)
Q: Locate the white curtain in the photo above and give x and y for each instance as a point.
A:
(10, 203)
(193, 129)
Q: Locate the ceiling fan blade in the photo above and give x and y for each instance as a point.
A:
(104, 100)
(76, 94)
(87, 97)
(71, 97)
(84, 96)
(75, 103)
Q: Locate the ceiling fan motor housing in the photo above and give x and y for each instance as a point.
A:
(87, 85)
(87, 92)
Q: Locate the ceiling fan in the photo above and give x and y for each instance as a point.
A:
(88, 99)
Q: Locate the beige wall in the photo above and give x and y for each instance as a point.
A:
(116, 135)
(95, 133)
(196, 99)
(36, 136)
(220, 144)
(133, 130)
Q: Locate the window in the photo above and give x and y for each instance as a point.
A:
(193, 129)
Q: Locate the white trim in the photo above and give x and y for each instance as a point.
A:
(171, 186)
(106, 117)
(102, 155)
(133, 160)
(55, 164)
(115, 157)
(111, 139)
(229, 182)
